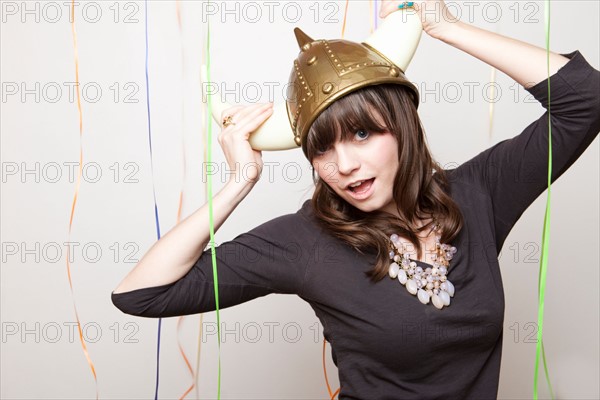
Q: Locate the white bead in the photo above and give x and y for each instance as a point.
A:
(437, 302)
(445, 297)
(429, 285)
(396, 258)
(423, 296)
(394, 268)
(402, 277)
(413, 264)
(450, 288)
(411, 286)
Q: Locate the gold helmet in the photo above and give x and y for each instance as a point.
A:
(326, 70)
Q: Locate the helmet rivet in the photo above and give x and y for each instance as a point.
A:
(327, 88)
(306, 47)
(311, 60)
(297, 140)
(394, 72)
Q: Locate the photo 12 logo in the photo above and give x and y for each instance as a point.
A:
(53, 252)
(54, 332)
(52, 12)
(67, 171)
(56, 92)
(327, 12)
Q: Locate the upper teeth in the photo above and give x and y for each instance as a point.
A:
(356, 184)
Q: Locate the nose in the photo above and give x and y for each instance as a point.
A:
(347, 160)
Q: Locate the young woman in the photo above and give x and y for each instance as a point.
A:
(383, 207)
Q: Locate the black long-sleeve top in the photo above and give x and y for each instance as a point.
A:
(385, 343)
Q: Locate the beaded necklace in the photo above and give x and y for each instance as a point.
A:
(427, 284)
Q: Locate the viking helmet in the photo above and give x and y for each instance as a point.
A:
(326, 70)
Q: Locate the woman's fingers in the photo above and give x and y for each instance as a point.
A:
(230, 111)
(246, 120)
(254, 118)
(387, 6)
(234, 140)
(249, 119)
(239, 113)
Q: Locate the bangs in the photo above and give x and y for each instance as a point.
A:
(343, 118)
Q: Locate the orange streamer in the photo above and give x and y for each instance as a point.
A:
(371, 16)
(187, 363)
(204, 112)
(345, 16)
(181, 193)
(331, 394)
(335, 394)
(77, 185)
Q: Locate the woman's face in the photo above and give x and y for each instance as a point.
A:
(369, 157)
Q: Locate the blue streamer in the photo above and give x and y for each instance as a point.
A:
(153, 186)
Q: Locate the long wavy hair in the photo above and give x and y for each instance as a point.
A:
(421, 188)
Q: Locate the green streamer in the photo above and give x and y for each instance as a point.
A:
(546, 232)
(210, 209)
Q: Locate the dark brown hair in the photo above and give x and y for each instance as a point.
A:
(421, 188)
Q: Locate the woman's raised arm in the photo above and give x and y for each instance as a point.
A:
(171, 257)
(523, 62)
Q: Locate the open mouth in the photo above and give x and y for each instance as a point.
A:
(363, 187)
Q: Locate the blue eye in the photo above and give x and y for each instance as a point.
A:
(364, 134)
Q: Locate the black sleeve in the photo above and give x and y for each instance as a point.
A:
(514, 172)
(271, 258)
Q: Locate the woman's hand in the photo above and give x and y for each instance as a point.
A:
(246, 162)
(435, 17)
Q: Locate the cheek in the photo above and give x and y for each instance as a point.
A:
(326, 170)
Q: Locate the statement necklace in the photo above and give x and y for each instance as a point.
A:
(429, 283)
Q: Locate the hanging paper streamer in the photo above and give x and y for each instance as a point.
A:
(185, 359)
(205, 180)
(372, 14)
(210, 211)
(182, 189)
(345, 15)
(331, 394)
(77, 185)
(153, 186)
(546, 232)
(376, 15)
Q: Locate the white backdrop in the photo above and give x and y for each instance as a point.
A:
(272, 346)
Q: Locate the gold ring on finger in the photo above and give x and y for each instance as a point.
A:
(228, 120)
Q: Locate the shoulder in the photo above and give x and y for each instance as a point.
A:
(301, 225)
